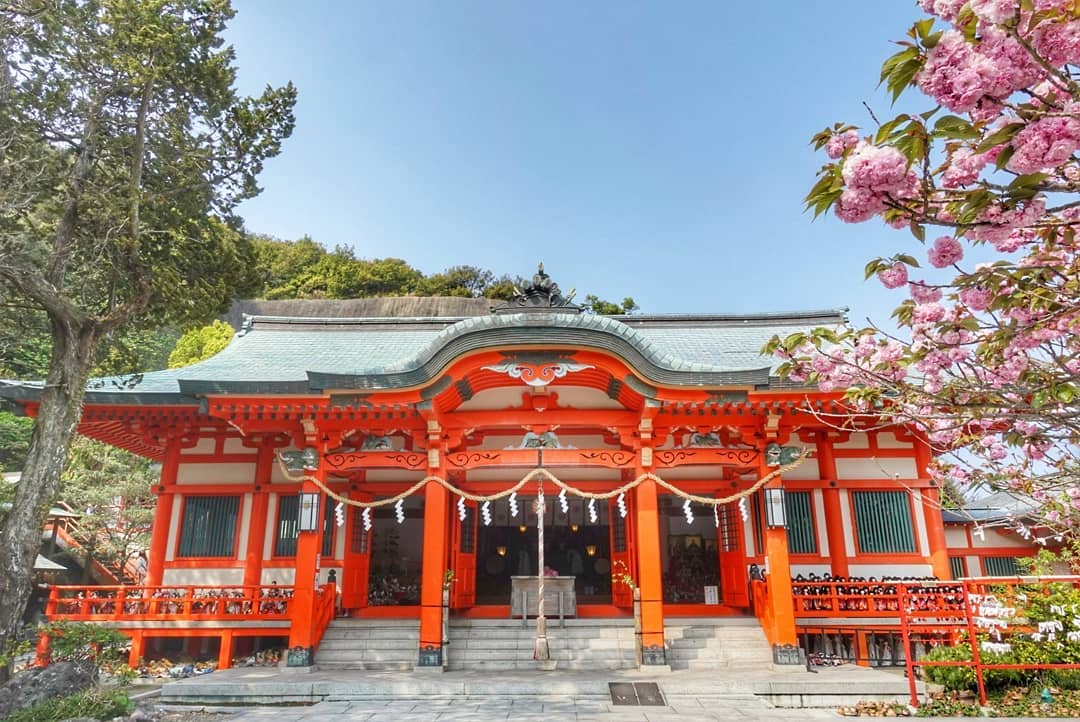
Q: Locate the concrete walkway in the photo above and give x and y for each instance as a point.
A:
(529, 694)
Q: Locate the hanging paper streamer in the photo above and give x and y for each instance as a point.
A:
(689, 513)
(622, 505)
(461, 511)
(978, 531)
(339, 514)
(716, 514)
(366, 516)
(563, 502)
(592, 511)
(513, 504)
(744, 509)
(485, 512)
(399, 510)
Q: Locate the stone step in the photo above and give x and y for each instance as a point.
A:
(328, 644)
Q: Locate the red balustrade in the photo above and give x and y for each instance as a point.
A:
(169, 603)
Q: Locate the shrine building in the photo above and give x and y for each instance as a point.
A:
(327, 466)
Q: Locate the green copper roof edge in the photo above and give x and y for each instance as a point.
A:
(542, 336)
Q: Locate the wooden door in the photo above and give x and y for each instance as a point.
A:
(622, 557)
(463, 589)
(357, 564)
(733, 579)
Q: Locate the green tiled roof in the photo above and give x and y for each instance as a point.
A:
(300, 355)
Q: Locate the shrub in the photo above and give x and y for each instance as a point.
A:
(97, 703)
(77, 641)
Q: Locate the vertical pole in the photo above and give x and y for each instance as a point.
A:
(779, 579)
(159, 539)
(931, 511)
(834, 517)
(436, 530)
(540, 649)
(649, 573)
(260, 502)
(308, 544)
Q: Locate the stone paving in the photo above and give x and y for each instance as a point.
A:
(442, 709)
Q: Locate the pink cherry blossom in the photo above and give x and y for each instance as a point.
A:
(945, 252)
(894, 276)
(1045, 144)
(995, 11)
(922, 293)
(839, 142)
(964, 168)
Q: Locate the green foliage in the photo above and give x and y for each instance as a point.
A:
(200, 343)
(14, 441)
(80, 641)
(951, 678)
(12, 649)
(600, 307)
(111, 487)
(102, 704)
(949, 707)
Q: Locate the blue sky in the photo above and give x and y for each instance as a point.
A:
(658, 150)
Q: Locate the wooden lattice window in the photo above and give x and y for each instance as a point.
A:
(883, 521)
(800, 523)
(208, 528)
(1001, 567)
(287, 529)
(958, 567)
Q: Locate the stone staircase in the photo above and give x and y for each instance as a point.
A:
(386, 644)
(720, 643)
(503, 644)
(708, 644)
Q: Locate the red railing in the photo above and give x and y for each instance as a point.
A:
(163, 603)
(868, 599)
(990, 614)
(324, 608)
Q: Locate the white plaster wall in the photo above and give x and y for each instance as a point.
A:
(880, 468)
(857, 441)
(994, 538)
(216, 473)
(748, 535)
(339, 541)
(845, 513)
(808, 569)
(955, 537)
(887, 440)
(818, 500)
(174, 528)
(245, 524)
(204, 446)
(279, 575)
(808, 469)
(236, 446)
(271, 524)
(210, 577)
(891, 570)
(920, 524)
(396, 475)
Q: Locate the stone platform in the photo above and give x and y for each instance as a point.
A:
(829, 687)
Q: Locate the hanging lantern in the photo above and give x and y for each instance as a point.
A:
(309, 512)
(775, 511)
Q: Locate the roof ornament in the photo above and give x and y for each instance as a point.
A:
(542, 294)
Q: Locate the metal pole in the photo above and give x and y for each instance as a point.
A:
(540, 650)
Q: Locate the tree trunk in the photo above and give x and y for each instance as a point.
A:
(58, 417)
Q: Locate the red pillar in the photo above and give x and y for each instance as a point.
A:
(308, 545)
(779, 579)
(159, 538)
(260, 502)
(650, 572)
(433, 570)
(834, 516)
(931, 509)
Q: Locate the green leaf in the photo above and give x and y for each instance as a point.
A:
(1000, 136)
(909, 260)
(951, 126)
(918, 230)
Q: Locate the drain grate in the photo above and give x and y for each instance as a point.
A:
(636, 693)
